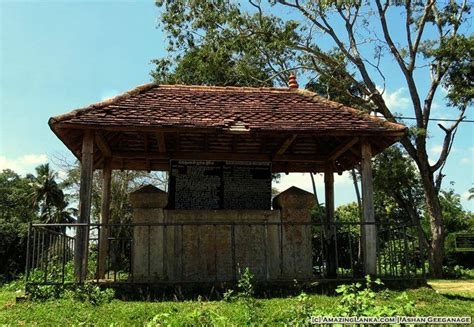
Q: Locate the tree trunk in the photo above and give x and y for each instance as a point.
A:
(436, 253)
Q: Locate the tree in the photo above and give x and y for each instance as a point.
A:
(208, 65)
(455, 217)
(123, 182)
(456, 220)
(47, 196)
(15, 214)
(398, 190)
(363, 39)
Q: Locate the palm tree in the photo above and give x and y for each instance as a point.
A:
(47, 196)
(471, 193)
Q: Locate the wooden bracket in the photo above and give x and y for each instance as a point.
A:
(102, 144)
(342, 148)
(160, 139)
(286, 144)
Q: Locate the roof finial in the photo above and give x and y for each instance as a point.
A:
(292, 83)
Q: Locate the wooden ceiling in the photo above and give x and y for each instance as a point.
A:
(150, 150)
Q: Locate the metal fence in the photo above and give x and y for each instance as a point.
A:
(217, 251)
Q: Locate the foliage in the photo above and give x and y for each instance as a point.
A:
(222, 56)
(209, 65)
(15, 214)
(89, 292)
(360, 301)
(245, 297)
(356, 300)
(123, 182)
(455, 218)
(269, 312)
(398, 193)
(458, 272)
(459, 81)
(48, 197)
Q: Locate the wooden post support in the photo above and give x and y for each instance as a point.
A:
(329, 222)
(85, 193)
(369, 230)
(105, 215)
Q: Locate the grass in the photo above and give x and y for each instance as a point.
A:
(447, 298)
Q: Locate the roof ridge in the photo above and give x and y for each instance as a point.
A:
(353, 111)
(221, 87)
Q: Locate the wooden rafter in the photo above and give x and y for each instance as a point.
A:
(286, 144)
(102, 145)
(342, 148)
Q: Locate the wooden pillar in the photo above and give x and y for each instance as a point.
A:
(369, 230)
(329, 223)
(85, 193)
(105, 215)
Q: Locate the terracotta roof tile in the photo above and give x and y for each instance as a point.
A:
(259, 109)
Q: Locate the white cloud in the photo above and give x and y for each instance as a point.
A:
(436, 149)
(465, 195)
(396, 100)
(466, 161)
(107, 94)
(435, 106)
(24, 164)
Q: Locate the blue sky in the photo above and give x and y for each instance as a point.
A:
(56, 56)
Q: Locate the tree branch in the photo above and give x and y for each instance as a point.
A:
(448, 141)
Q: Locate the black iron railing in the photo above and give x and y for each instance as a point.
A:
(217, 251)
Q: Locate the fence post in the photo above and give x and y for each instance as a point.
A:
(27, 266)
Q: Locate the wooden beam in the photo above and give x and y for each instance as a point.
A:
(206, 143)
(286, 144)
(215, 156)
(104, 218)
(85, 195)
(369, 230)
(102, 144)
(342, 148)
(121, 128)
(234, 143)
(145, 142)
(329, 228)
(160, 139)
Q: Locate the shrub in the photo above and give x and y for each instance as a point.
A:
(356, 300)
(244, 296)
(458, 272)
(45, 292)
(91, 293)
(360, 301)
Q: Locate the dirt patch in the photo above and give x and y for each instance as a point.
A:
(453, 286)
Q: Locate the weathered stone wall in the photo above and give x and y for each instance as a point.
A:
(147, 252)
(222, 242)
(211, 252)
(294, 205)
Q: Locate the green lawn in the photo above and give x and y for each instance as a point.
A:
(448, 298)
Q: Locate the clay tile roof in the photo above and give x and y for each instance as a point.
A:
(245, 108)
